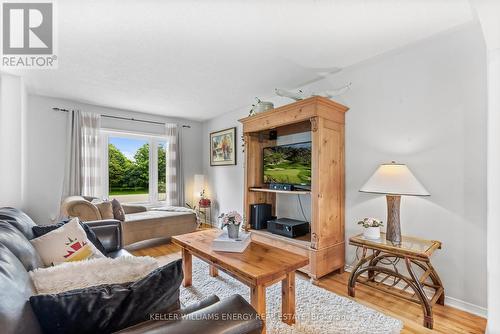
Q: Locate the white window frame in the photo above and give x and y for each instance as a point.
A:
(153, 141)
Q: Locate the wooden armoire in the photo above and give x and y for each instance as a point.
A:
(324, 118)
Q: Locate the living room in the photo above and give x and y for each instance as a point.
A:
(345, 149)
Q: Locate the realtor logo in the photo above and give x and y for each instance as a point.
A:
(28, 35)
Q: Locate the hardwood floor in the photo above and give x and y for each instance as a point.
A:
(446, 319)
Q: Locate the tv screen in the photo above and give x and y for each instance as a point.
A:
(288, 164)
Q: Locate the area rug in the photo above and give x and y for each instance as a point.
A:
(317, 310)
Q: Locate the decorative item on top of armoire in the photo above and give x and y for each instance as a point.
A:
(260, 106)
(223, 147)
(301, 95)
(394, 180)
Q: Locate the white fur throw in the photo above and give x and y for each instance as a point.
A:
(83, 274)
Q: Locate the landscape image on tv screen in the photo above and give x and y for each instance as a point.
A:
(288, 164)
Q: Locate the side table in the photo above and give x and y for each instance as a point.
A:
(206, 212)
(380, 269)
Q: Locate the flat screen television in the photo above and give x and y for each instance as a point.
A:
(289, 164)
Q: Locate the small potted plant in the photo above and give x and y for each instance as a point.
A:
(232, 220)
(204, 201)
(372, 228)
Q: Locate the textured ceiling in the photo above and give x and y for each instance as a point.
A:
(199, 59)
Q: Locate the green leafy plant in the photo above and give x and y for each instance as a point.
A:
(371, 222)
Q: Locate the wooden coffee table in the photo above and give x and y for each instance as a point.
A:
(259, 266)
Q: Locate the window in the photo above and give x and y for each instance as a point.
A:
(135, 167)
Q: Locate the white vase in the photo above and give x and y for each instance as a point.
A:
(372, 233)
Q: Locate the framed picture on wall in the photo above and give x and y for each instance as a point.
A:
(223, 147)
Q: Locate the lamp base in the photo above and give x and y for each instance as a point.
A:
(393, 233)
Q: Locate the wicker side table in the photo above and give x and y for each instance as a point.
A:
(378, 268)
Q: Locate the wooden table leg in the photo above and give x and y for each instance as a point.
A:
(288, 299)
(258, 301)
(187, 268)
(213, 271)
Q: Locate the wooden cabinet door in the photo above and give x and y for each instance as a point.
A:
(327, 183)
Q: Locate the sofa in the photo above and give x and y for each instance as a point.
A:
(140, 223)
(17, 257)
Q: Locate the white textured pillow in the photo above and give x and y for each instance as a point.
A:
(84, 274)
(65, 244)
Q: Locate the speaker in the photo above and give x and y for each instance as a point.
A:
(259, 215)
(273, 135)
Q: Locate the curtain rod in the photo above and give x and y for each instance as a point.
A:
(124, 118)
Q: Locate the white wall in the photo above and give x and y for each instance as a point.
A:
(46, 147)
(488, 13)
(424, 105)
(12, 116)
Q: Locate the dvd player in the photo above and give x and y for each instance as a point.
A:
(288, 227)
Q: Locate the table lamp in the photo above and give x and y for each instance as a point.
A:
(394, 180)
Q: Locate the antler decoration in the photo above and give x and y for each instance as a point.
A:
(300, 95)
(285, 93)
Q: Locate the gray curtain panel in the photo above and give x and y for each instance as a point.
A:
(72, 185)
(83, 164)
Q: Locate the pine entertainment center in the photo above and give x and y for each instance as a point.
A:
(324, 118)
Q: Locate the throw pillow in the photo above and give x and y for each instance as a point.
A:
(40, 230)
(110, 307)
(118, 211)
(105, 209)
(65, 244)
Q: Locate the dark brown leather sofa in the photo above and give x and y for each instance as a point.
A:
(17, 316)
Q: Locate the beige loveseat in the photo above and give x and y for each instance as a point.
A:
(140, 223)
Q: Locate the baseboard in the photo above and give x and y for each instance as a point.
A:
(450, 301)
(467, 307)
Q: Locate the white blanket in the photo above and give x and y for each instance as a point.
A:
(82, 274)
(178, 209)
(173, 209)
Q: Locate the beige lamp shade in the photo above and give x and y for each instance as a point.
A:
(199, 185)
(394, 179)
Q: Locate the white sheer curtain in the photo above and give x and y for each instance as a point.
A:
(83, 166)
(174, 182)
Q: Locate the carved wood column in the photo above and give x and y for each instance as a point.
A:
(393, 225)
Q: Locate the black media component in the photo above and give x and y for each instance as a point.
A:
(273, 135)
(281, 186)
(287, 227)
(259, 215)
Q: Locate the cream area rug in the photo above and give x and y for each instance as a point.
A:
(317, 310)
